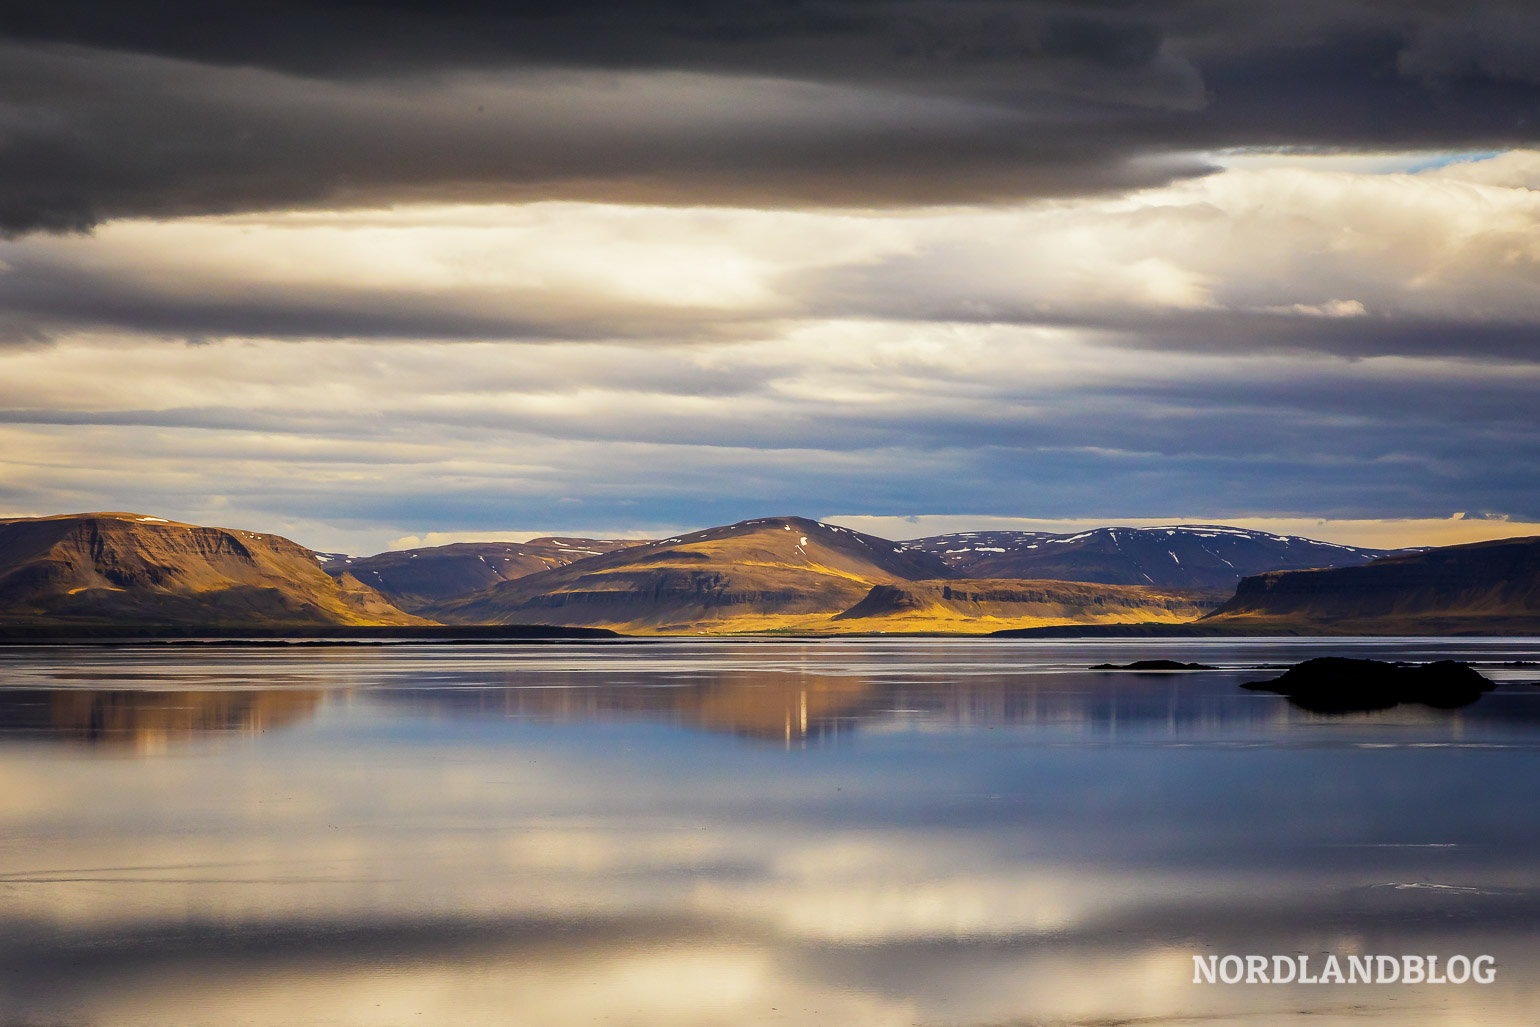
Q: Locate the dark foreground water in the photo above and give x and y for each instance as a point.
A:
(842, 833)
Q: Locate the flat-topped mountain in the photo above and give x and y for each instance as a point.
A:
(131, 570)
(1480, 588)
(1175, 556)
(760, 574)
(416, 578)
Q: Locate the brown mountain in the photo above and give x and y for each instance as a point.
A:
(790, 573)
(1481, 588)
(980, 605)
(130, 570)
(417, 578)
(763, 574)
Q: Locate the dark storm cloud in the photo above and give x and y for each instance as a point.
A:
(866, 39)
(93, 136)
(109, 110)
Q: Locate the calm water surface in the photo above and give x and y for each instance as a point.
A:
(700, 833)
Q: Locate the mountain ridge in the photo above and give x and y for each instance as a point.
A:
(414, 579)
(751, 575)
(1173, 556)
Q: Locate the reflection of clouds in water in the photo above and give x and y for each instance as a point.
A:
(512, 903)
(394, 863)
(670, 982)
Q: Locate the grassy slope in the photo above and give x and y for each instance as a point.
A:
(981, 606)
(767, 574)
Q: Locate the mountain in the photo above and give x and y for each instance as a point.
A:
(790, 573)
(130, 570)
(768, 573)
(1480, 588)
(981, 605)
(416, 578)
(1175, 556)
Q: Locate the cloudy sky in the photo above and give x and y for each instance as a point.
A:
(368, 273)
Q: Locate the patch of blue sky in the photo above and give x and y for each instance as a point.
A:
(1444, 160)
(1360, 163)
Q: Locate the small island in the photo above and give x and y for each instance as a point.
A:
(1335, 684)
(1152, 665)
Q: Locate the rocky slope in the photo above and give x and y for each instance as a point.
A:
(768, 573)
(981, 605)
(1481, 588)
(417, 578)
(1176, 556)
(130, 570)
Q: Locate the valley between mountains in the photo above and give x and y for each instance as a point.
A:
(124, 573)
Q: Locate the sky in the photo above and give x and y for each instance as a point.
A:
(382, 274)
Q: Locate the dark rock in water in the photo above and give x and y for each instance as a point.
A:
(1152, 665)
(1333, 684)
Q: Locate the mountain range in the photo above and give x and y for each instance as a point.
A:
(759, 574)
(795, 574)
(126, 573)
(1177, 556)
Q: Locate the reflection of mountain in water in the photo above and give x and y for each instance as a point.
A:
(743, 703)
(147, 719)
(765, 705)
(782, 706)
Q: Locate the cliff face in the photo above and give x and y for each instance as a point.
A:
(414, 579)
(1482, 587)
(990, 605)
(132, 570)
(1175, 556)
(780, 572)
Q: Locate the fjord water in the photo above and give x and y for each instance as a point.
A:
(885, 832)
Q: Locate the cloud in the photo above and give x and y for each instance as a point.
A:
(1383, 533)
(1243, 259)
(96, 136)
(450, 268)
(445, 538)
(1441, 262)
(350, 445)
(261, 106)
